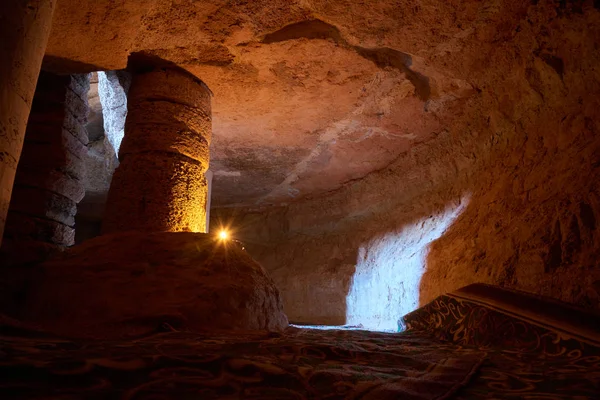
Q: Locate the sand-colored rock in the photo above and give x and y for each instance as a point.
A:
(157, 192)
(381, 153)
(48, 183)
(159, 185)
(25, 29)
(131, 284)
(505, 194)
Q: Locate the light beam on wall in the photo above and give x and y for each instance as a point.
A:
(389, 268)
(113, 97)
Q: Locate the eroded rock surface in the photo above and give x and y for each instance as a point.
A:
(100, 161)
(50, 176)
(506, 192)
(131, 284)
(113, 87)
(347, 133)
(302, 90)
(160, 185)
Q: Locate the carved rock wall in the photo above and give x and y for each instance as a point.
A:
(506, 194)
(49, 179)
(108, 110)
(456, 141)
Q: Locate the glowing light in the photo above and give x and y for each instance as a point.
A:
(223, 235)
(386, 283)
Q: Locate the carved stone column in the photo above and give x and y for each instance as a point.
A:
(159, 185)
(24, 29)
(49, 178)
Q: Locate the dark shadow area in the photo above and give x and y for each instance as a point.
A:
(383, 57)
(48, 183)
(268, 241)
(142, 61)
(312, 29)
(63, 66)
(90, 213)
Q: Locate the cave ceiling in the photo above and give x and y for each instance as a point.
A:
(309, 95)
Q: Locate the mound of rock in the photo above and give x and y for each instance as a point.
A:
(134, 283)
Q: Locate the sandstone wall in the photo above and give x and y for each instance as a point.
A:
(506, 193)
(24, 29)
(50, 173)
(107, 100)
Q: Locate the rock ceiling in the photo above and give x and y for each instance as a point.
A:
(309, 95)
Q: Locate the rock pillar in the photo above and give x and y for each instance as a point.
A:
(159, 185)
(49, 178)
(24, 29)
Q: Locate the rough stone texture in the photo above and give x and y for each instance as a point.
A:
(24, 29)
(131, 284)
(388, 124)
(170, 195)
(101, 159)
(291, 104)
(506, 194)
(48, 183)
(95, 120)
(159, 184)
(113, 87)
